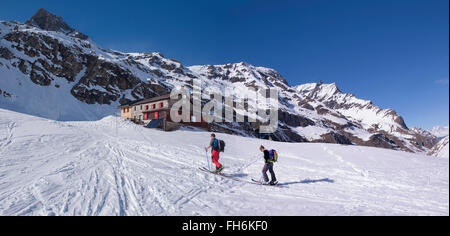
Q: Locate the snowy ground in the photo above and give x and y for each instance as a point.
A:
(112, 167)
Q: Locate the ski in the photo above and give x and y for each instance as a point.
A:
(236, 179)
(212, 172)
(276, 185)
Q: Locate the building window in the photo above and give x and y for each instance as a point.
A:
(141, 107)
(145, 116)
(153, 106)
(156, 115)
(135, 108)
(146, 107)
(161, 105)
(140, 117)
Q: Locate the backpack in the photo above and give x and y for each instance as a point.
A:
(273, 156)
(219, 145)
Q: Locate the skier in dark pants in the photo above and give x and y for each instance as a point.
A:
(268, 166)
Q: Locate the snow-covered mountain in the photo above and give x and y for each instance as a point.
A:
(441, 149)
(440, 131)
(51, 70)
(114, 167)
(362, 111)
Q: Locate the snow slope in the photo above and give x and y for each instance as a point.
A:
(441, 149)
(112, 167)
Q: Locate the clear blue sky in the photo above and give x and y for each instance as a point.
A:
(393, 52)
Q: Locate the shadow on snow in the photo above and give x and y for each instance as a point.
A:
(309, 181)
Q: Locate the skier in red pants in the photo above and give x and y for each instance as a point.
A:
(214, 144)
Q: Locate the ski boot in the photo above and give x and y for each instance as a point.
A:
(219, 170)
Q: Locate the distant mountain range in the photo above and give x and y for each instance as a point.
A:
(440, 131)
(51, 70)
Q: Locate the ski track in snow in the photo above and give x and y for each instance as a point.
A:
(112, 167)
(363, 173)
(8, 134)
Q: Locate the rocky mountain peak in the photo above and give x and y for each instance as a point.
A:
(318, 90)
(45, 20)
(329, 88)
(242, 72)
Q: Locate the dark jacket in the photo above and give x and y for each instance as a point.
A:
(266, 156)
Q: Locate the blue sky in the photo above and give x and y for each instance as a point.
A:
(395, 53)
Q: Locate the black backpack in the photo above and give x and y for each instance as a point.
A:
(221, 146)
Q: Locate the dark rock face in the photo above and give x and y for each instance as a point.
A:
(112, 79)
(92, 96)
(47, 21)
(102, 82)
(377, 140)
(427, 141)
(294, 120)
(399, 120)
(39, 76)
(322, 110)
(275, 78)
(336, 138)
(105, 76)
(168, 67)
(380, 140)
(59, 59)
(287, 135)
(6, 54)
(144, 90)
(303, 103)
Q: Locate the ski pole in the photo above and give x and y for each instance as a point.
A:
(207, 161)
(249, 164)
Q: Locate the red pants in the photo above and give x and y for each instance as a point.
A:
(215, 158)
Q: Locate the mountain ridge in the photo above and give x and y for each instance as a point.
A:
(83, 81)
(45, 20)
